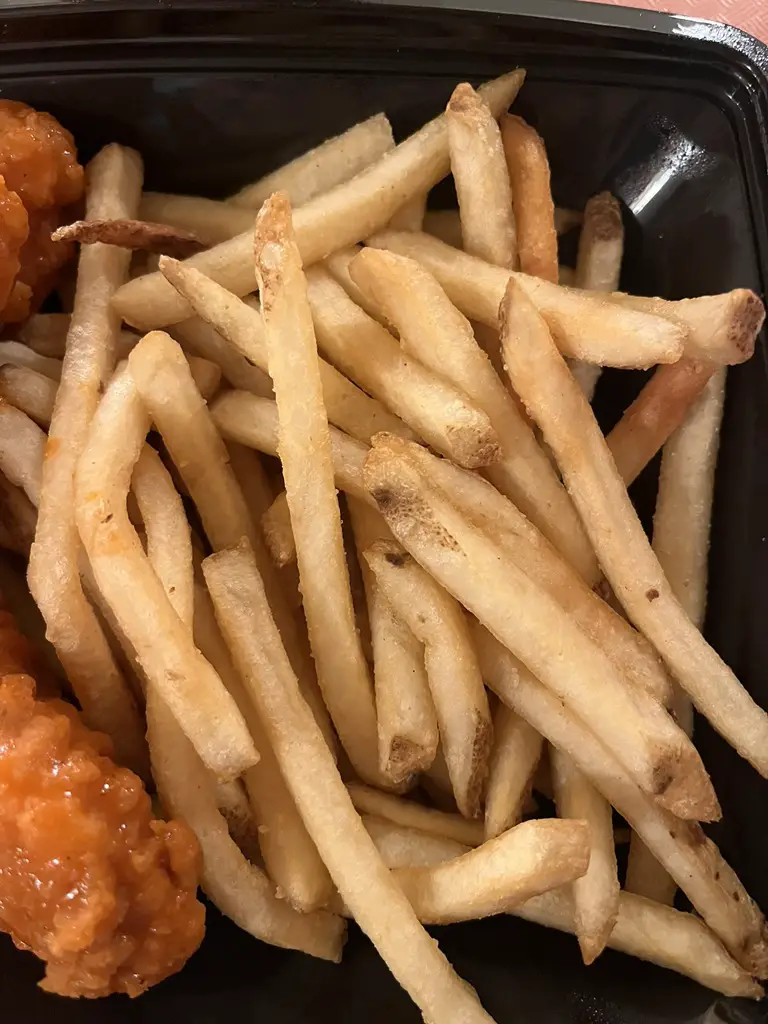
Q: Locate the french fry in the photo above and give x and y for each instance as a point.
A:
(403, 847)
(18, 518)
(540, 376)
(369, 354)
(114, 179)
(481, 178)
(303, 441)
(646, 876)
(598, 266)
(409, 814)
(629, 651)
(342, 216)
(523, 862)
(29, 391)
(242, 326)
(534, 210)
(46, 334)
(22, 447)
(171, 663)
(405, 712)
(290, 857)
(436, 620)
(16, 354)
(477, 572)
(238, 888)
(693, 860)
(364, 883)
(411, 216)
(516, 753)
(655, 414)
(337, 265)
(253, 421)
(584, 326)
(278, 532)
(446, 225)
(333, 162)
(198, 338)
(209, 220)
(252, 477)
(596, 892)
(128, 233)
(433, 331)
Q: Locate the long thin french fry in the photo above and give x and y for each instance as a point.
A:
(481, 178)
(342, 216)
(16, 354)
(183, 678)
(209, 220)
(585, 326)
(438, 412)
(22, 447)
(199, 338)
(364, 883)
(516, 753)
(435, 332)
(304, 440)
(476, 571)
(693, 860)
(437, 621)
(412, 815)
(532, 203)
(28, 390)
(114, 180)
(539, 375)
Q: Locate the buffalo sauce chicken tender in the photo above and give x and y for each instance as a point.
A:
(89, 881)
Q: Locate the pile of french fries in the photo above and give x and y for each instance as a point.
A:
(374, 753)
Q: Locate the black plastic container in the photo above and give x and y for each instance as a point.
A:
(668, 113)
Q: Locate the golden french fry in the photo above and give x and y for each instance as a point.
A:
(114, 179)
(534, 210)
(481, 178)
(209, 220)
(596, 892)
(342, 216)
(46, 333)
(242, 326)
(437, 621)
(364, 883)
(169, 660)
(198, 338)
(29, 391)
(433, 331)
(333, 162)
(416, 816)
(314, 511)
(337, 265)
(598, 266)
(477, 572)
(405, 712)
(404, 847)
(585, 326)
(693, 860)
(446, 225)
(371, 356)
(516, 753)
(541, 377)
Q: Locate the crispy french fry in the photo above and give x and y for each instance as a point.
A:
(411, 216)
(436, 620)
(290, 857)
(209, 220)
(416, 816)
(596, 892)
(477, 572)
(238, 888)
(304, 441)
(370, 355)
(534, 210)
(278, 532)
(655, 414)
(170, 661)
(198, 338)
(482, 181)
(364, 883)
(523, 862)
(128, 233)
(516, 753)
(333, 162)
(242, 326)
(342, 216)
(630, 652)
(46, 333)
(633, 570)
(22, 447)
(585, 326)
(405, 712)
(693, 860)
(29, 391)
(16, 354)
(598, 266)
(114, 179)
(433, 331)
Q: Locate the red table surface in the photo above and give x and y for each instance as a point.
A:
(751, 15)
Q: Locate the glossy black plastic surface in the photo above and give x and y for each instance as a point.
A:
(667, 113)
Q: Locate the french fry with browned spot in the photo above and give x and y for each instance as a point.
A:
(534, 209)
(130, 234)
(542, 379)
(436, 620)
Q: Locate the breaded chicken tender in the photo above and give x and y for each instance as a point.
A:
(89, 881)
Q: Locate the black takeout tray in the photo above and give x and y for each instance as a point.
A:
(670, 114)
